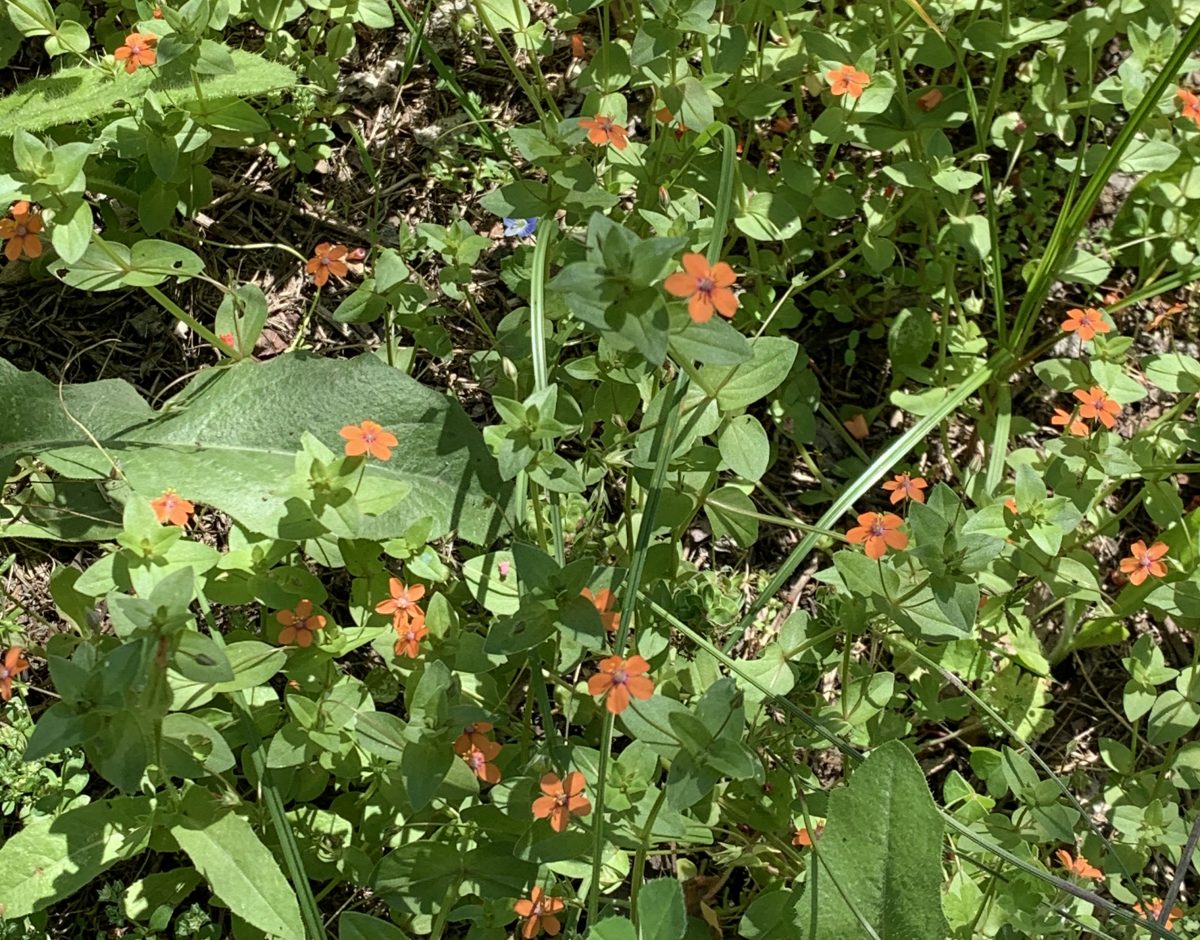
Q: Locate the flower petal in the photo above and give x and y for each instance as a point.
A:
(680, 285)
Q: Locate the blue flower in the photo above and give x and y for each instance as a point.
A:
(520, 228)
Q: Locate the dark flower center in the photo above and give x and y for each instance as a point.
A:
(705, 285)
(562, 799)
(620, 677)
(369, 437)
(536, 910)
(4, 673)
(878, 530)
(21, 230)
(476, 760)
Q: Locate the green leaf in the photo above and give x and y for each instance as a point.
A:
(744, 447)
(381, 734)
(76, 95)
(612, 928)
(506, 14)
(1171, 718)
(883, 848)
(355, 926)
(660, 910)
(51, 859)
(728, 510)
(230, 440)
(109, 265)
(159, 890)
(770, 362)
(414, 878)
(241, 871)
(714, 342)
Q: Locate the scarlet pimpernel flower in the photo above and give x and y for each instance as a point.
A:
(409, 638)
(368, 438)
(603, 602)
(618, 679)
(562, 799)
(805, 837)
(1068, 421)
(1087, 323)
(473, 735)
(1143, 562)
(327, 259)
(1154, 911)
(479, 756)
(1189, 105)
(402, 603)
(930, 100)
(13, 665)
(300, 626)
(172, 508)
(878, 531)
(706, 288)
(1080, 867)
(1096, 405)
(539, 910)
(602, 130)
(20, 232)
(902, 486)
(137, 51)
(847, 80)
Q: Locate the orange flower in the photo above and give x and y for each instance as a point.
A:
(228, 340)
(805, 837)
(603, 602)
(1069, 421)
(930, 100)
(410, 636)
(21, 232)
(172, 508)
(479, 756)
(137, 51)
(1189, 106)
(902, 486)
(602, 130)
(1087, 322)
(857, 426)
(327, 260)
(368, 438)
(539, 910)
(880, 531)
(14, 664)
(620, 678)
(299, 625)
(1011, 505)
(402, 604)
(1145, 562)
(1154, 910)
(1078, 866)
(157, 13)
(473, 735)
(847, 80)
(706, 288)
(1161, 318)
(562, 800)
(579, 47)
(1097, 404)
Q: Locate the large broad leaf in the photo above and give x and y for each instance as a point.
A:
(73, 95)
(230, 439)
(882, 849)
(52, 858)
(241, 871)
